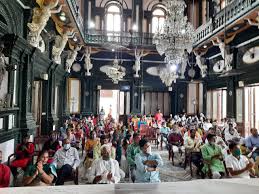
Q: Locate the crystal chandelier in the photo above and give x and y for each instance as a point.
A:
(168, 74)
(115, 72)
(177, 35)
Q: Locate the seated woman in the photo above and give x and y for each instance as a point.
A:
(23, 154)
(71, 137)
(79, 135)
(41, 173)
(90, 145)
(5, 174)
(51, 145)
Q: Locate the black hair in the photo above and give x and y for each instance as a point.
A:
(210, 136)
(142, 142)
(232, 144)
(135, 135)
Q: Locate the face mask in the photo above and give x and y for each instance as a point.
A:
(237, 153)
(149, 150)
(67, 146)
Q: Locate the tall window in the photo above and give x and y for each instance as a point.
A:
(158, 19)
(113, 18)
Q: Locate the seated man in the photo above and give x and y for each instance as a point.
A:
(252, 143)
(105, 170)
(238, 165)
(5, 174)
(40, 174)
(231, 133)
(175, 142)
(212, 155)
(147, 164)
(192, 144)
(66, 160)
(164, 131)
(23, 154)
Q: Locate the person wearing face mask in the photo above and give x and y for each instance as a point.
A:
(212, 155)
(66, 161)
(41, 173)
(147, 164)
(105, 170)
(231, 133)
(238, 165)
(5, 174)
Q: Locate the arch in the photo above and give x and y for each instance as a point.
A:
(150, 4)
(8, 17)
(123, 4)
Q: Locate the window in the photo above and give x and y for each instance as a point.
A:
(158, 19)
(113, 18)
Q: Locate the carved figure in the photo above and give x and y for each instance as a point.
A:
(88, 65)
(72, 57)
(136, 67)
(254, 23)
(40, 18)
(60, 43)
(226, 57)
(185, 60)
(199, 62)
(2, 64)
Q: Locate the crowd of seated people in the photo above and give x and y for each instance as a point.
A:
(115, 151)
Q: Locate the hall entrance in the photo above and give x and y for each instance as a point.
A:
(114, 102)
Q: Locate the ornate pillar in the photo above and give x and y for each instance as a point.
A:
(135, 95)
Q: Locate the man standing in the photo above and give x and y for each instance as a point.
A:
(147, 164)
(132, 150)
(105, 170)
(238, 165)
(66, 160)
(212, 154)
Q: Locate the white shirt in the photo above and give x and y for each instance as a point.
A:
(207, 126)
(103, 167)
(63, 157)
(229, 136)
(235, 164)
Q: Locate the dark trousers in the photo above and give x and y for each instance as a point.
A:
(197, 161)
(63, 173)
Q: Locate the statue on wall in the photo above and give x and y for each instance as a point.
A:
(199, 62)
(2, 63)
(40, 18)
(226, 57)
(185, 61)
(87, 65)
(254, 23)
(60, 43)
(72, 54)
(136, 67)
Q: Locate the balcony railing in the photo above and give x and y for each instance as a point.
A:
(225, 17)
(74, 8)
(122, 38)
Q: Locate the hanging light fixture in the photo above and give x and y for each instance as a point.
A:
(178, 35)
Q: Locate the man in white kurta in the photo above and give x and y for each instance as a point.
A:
(105, 170)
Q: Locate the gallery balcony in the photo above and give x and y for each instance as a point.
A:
(126, 39)
(234, 11)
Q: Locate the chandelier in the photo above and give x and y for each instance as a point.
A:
(115, 72)
(168, 74)
(177, 34)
